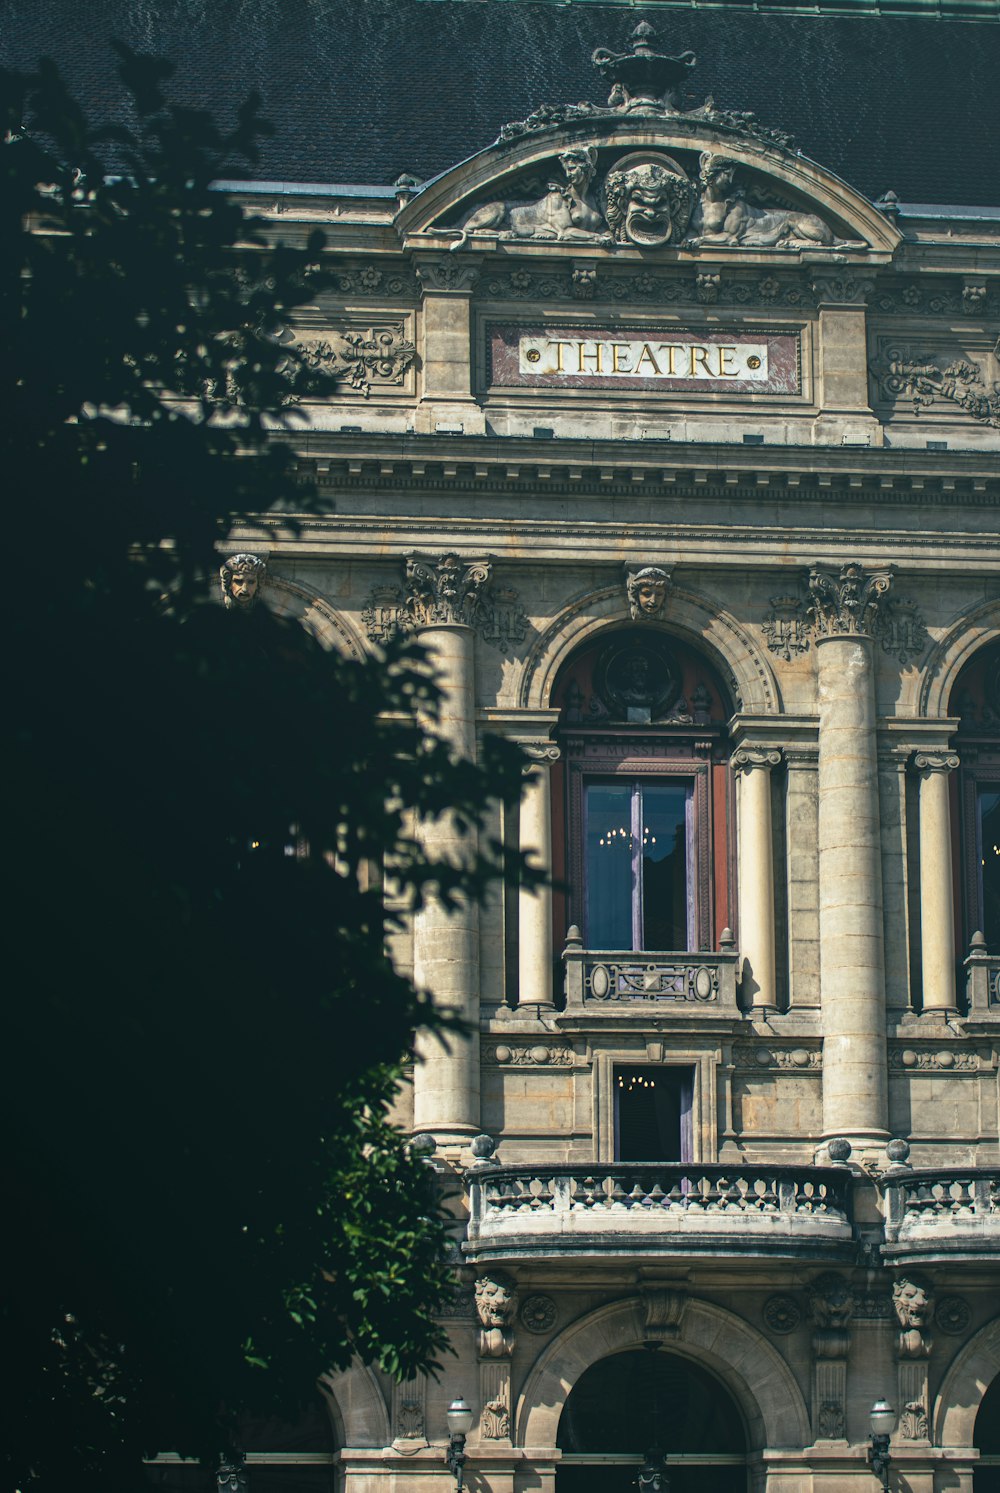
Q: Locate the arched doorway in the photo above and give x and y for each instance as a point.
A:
(624, 1406)
(986, 1478)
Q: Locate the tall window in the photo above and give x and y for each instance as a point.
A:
(638, 851)
(976, 702)
(988, 846)
(641, 796)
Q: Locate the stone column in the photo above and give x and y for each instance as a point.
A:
(753, 767)
(937, 899)
(442, 599)
(447, 359)
(802, 875)
(852, 968)
(534, 909)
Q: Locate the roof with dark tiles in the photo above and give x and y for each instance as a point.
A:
(361, 90)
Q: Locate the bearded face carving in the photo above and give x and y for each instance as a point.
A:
(648, 200)
(241, 578)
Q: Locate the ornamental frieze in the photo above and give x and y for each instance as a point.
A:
(716, 288)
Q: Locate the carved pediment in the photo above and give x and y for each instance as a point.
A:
(644, 173)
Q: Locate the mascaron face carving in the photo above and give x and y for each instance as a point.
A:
(241, 578)
(648, 200)
(647, 592)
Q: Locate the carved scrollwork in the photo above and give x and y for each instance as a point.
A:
(901, 630)
(377, 357)
(903, 373)
(745, 759)
(936, 761)
(787, 627)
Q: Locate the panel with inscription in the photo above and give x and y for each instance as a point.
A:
(754, 361)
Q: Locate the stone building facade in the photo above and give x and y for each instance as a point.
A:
(681, 455)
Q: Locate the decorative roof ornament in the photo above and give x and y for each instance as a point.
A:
(642, 77)
(644, 81)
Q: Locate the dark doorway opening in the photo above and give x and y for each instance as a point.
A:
(627, 1404)
(986, 1477)
(653, 1112)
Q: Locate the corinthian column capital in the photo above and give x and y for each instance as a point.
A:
(445, 591)
(847, 603)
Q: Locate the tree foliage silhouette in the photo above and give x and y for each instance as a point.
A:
(206, 1204)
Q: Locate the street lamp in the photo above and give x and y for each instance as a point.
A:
(652, 1476)
(883, 1421)
(459, 1426)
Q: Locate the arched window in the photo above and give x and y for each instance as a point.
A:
(627, 1408)
(976, 701)
(641, 795)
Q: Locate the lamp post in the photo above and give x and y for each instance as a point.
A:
(883, 1420)
(459, 1426)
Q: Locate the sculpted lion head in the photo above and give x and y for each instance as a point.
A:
(648, 200)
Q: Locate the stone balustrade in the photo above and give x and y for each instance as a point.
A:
(943, 1212)
(673, 1207)
(982, 980)
(602, 979)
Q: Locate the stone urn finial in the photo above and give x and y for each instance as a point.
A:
(642, 77)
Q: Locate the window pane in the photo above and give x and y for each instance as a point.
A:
(989, 830)
(608, 868)
(664, 866)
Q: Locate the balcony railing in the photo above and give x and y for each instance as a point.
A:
(602, 979)
(944, 1211)
(982, 980)
(639, 1205)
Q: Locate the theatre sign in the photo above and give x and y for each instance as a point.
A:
(635, 357)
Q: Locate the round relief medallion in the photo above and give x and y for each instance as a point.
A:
(782, 1314)
(952, 1314)
(538, 1313)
